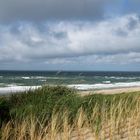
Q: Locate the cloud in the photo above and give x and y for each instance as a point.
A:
(40, 10)
(111, 41)
(117, 59)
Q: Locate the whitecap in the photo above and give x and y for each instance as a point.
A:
(14, 89)
(26, 78)
(107, 82)
(104, 86)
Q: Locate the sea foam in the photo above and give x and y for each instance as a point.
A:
(14, 89)
(104, 86)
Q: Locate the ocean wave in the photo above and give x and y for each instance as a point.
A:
(47, 77)
(121, 78)
(43, 80)
(33, 77)
(26, 78)
(60, 78)
(2, 84)
(107, 82)
(13, 84)
(38, 77)
(104, 86)
(14, 89)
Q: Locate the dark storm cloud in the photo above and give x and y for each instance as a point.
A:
(39, 10)
(45, 10)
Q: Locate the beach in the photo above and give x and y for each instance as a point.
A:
(110, 91)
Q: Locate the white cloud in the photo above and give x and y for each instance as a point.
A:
(111, 41)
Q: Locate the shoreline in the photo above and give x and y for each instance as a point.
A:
(110, 91)
(18, 89)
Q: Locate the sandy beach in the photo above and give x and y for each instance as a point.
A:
(110, 91)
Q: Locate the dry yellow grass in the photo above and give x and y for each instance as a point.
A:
(112, 126)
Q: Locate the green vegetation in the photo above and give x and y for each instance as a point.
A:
(4, 111)
(48, 104)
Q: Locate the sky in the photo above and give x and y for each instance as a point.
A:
(70, 35)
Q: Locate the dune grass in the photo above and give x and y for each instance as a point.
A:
(60, 113)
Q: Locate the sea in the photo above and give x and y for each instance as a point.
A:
(15, 81)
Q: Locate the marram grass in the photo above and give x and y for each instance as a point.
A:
(59, 113)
